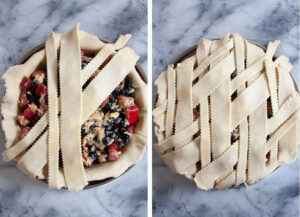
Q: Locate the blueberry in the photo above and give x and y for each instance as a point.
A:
(106, 140)
(106, 108)
(119, 144)
(35, 84)
(126, 141)
(116, 136)
(125, 136)
(30, 98)
(94, 155)
(93, 126)
(131, 95)
(83, 132)
(233, 138)
(96, 139)
(116, 129)
(108, 126)
(112, 99)
(121, 92)
(116, 91)
(128, 82)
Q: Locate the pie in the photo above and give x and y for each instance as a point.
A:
(228, 115)
(75, 111)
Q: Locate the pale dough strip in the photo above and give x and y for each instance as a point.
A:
(209, 59)
(272, 84)
(213, 79)
(184, 114)
(180, 139)
(282, 130)
(177, 160)
(206, 177)
(289, 107)
(243, 154)
(249, 100)
(171, 101)
(51, 47)
(288, 149)
(34, 160)
(107, 80)
(227, 182)
(204, 143)
(33, 134)
(101, 56)
(71, 109)
(257, 139)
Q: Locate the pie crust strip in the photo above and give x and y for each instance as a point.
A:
(71, 109)
(184, 113)
(51, 48)
(171, 101)
(203, 63)
(103, 84)
(33, 134)
(206, 177)
(35, 158)
(101, 56)
(212, 79)
(257, 138)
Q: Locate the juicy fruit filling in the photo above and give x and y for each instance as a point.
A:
(106, 132)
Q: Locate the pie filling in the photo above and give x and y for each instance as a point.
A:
(106, 132)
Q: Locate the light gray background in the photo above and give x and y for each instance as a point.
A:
(178, 25)
(26, 24)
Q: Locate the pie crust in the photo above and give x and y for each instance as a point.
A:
(37, 154)
(225, 87)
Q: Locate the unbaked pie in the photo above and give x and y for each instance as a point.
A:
(228, 115)
(78, 113)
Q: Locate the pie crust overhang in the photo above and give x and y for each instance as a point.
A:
(200, 148)
(37, 154)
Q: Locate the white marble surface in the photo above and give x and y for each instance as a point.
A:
(178, 25)
(24, 25)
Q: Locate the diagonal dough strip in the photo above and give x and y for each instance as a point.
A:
(52, 46)
(103, 84)
(33, 134)
(71, 109)
(101, 56)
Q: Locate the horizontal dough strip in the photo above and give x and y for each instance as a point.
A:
(177, 160)
(180, 139)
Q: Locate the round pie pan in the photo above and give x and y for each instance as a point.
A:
(141, 72)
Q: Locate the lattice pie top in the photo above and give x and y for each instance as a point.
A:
(227, 115)
(59, 128)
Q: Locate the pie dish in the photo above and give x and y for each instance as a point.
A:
(227, 115)
(75, 111)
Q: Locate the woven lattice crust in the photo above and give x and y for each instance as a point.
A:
(37, 153)
(228, 115)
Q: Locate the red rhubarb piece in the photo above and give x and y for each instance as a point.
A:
(130, 128)
(132, 114)
(41, 90)
(23, 98)
(26, 83)
(113, 147)
(29, 113)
